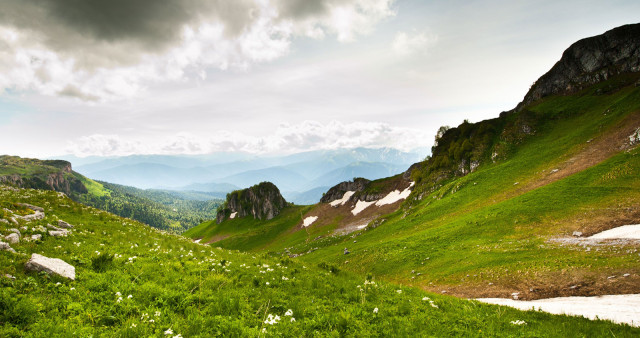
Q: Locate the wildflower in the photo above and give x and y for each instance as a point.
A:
(157, 313)
(97, 252)
(267, 283)
(425, 298)
(284, 278)
(129, 296)
(119, 300)
(133, 325)
(289, 313)
(118, 294)
(399, 291)
(518, 322)
(58, 283)
(168, 332)
(375, 310)
(271, 319)
(177, 336)
(293, 319)
(151, 321)
(72, 289)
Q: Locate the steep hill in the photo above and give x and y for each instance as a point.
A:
(502, 206)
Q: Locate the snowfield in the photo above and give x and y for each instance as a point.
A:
(623, 232)
(623, 309)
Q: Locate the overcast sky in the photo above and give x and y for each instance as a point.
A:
(120, 77)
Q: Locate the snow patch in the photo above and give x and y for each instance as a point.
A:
(347, 195)
(309, 220)
(360, 227)
(361, 205)
(623, 232)
(616, 308)
(395, 196)
(233, 215)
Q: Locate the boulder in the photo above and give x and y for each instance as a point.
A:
(58, 233)
(54, 266)
(36, 237)
(6, 247)
(33, 217)
(262, 201)
(64, 224)
(29, 206)
(15, 231)
(12, 238)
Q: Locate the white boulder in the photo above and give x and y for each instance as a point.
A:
(12, 238)
(51, 265)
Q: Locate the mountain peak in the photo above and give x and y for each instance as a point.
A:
(589, 61)
(262, 201)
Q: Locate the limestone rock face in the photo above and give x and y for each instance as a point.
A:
(590, 61)
(262, 201)
(64, 224)
(51, 265)
(337, 191)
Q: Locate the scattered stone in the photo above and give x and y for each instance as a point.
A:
(346, 251)
(577, 234)
(4, 220)
(24, 228)
(36, 237)
(53, 227)
(634, 138)
(15, 231)
(40, 228)
(29, 206)
(555, 170)
(13, 220)
(6, 275)
(64, 224)
(58, 233)
(626, 275)
(611, 277)
(573, 287)
(6, 247)
(51, 265)
(33, 217)
(515, 295)
(12, 238)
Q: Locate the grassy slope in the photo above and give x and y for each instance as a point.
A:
(197, 290)
(492, 226)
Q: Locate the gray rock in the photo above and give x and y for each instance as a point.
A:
(346, 251)
(33, 217)
(337, 192)
(40, 228)
(2, 220)
(6, 275)
(634, 138)
(577, 234)
(6, 247)
(53, 227)
(15, 231)
(58, 233)
(51, 265)
(12, 238)
(29, 206)
(36, 237)
(64, 224)
(24, 228)
(262, 201)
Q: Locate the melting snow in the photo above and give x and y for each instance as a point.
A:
(395, 196)
(361, 205)
(309, 220)
(626, 231)
(347, 195)
(233, 215)
(617, 308)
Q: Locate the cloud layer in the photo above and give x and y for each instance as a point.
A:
(99, 50)
(287, 138)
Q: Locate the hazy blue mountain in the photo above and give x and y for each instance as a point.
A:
(285, 179)
(371, 171)
(307, 197)
(150, 175)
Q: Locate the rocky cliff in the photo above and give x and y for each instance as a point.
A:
(262, 201)
(40, 174)
(336, 192)
(588, 62)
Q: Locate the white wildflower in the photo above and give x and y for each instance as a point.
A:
(289, 313)
(518, 322)
(157, 313)
(168, 332)
(271, 319)
(399, 291)
(293, 319)
(129, 296)
(375, 310)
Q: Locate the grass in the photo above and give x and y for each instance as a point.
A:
(133, 280)
(493, 226)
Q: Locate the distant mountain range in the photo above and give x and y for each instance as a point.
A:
(302, 177)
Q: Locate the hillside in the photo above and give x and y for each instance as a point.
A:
(504, 206)
(176, 211)
(130, 280)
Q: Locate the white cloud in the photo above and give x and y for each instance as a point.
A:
(287, 138)
(105, 61)
(406, 44)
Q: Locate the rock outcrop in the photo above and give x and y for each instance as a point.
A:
(588, 62)
(50, 175)
(337, 192)
(262, 201)
(51, 265)
(6, 247)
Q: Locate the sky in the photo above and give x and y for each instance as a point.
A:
(121, 77)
